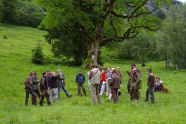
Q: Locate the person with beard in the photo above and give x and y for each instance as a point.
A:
(35, 88)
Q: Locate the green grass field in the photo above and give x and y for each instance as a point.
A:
(15, 64)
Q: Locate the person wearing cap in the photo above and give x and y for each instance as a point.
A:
(89, 88)
(108, 79)
(150, 84)
(115, 85)
(35, 88)
(53, 87)
(95, 81)
(28, 88)
(43, 89)
(104, 84)
(133, 65)
(136, 79)
(61, 82)
(80, 80)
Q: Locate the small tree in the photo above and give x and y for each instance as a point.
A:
(37, 56)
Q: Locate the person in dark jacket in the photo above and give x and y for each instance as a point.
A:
(53, 87)
(115, 85)
(60, 82)
(150, 84)
(28, 88)
(43, 89)
(80, 80)
(35, 88)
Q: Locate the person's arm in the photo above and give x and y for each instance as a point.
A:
(111, 82)
(161, 82)
(107, 78)
(121, 74)
(42, 83)
(90, 75)
(26, 84)
(83, 78)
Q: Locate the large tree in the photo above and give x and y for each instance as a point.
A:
(114, 20)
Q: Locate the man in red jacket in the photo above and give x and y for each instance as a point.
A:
(150, 84)
(104, 84)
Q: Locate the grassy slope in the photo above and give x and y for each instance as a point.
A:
(15, 64)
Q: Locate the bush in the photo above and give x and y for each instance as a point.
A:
(37, 57)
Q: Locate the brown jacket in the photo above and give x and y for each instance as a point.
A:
(151, 80)
(28, 83)
(115, 82)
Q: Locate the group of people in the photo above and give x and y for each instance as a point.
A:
(50, 86)
(108, 80)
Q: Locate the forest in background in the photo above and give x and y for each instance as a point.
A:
(167, 44)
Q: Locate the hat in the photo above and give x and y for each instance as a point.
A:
(105, 68)
(133, 64)
(35, 73)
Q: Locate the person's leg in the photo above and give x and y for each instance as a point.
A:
(136, 94)
(59, 89)
(41, 98)
(64, 89)
(49, 91)
(79, 89)
(132, 93)
(106, 87)
(51, 94)
(47, 98)
(55, 91)
(151, 94)
(83, 87)
(27, 96)
(114, 95)
(89, 86)
(34, 97)
(139, 93)
(147, 94)
(93, 90)
(97, 93)
(102, 88)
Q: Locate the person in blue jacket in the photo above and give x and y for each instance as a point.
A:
(80, 80)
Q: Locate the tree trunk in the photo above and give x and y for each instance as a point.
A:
(4, 23)
(176, 66)
(154, 57)
(166, 63)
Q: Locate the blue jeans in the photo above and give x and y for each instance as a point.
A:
(64, 89)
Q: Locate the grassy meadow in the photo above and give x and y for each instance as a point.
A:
(15, 65)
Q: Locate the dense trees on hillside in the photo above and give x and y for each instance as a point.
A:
(21, 12)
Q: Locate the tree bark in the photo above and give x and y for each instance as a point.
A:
(4, 23)
(176, 66)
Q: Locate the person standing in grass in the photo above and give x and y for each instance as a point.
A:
(28, 88)
(150, 84)
(115, 85)
(95, 81)
(35, 88)
(136, 79)
(119, 73)
(104, 84)
(133, 65)
(80, 80)
(108, 79)
(89, 86)
(53, 87)
(60, 82)
(43, 89)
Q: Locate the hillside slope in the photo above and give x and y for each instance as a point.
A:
(15, 64)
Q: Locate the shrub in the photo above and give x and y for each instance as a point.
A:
(37, 55)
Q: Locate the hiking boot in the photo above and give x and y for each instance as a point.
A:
(70, 95)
